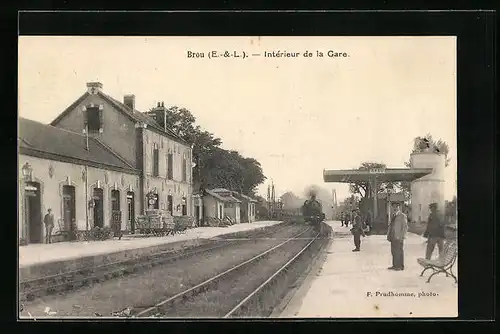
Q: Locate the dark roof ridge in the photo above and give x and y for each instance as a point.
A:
(87, 162)
(73, 141)
(68, 109)
(112, 151)
(134, 115)
(54, 127)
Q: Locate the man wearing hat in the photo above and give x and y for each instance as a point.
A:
(434, 232)
(357, 230)
(396, 235)
(48, 220)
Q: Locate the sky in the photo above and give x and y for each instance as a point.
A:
(295, 115)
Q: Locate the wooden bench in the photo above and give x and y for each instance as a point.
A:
(442, 265)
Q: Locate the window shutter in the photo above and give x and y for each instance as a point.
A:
(101, 120)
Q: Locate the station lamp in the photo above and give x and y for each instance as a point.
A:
(27, 171)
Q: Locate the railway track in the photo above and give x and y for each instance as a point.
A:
(72, 280)
(196, 295)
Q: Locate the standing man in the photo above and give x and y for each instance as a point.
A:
(342, 219)
(396, 235)
(434, 232)
(357, 230)
(48, 220)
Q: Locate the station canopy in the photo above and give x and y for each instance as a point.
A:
(381, 175)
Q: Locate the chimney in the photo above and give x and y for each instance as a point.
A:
(129, 101)
(94, 87)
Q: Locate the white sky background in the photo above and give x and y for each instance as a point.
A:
(296, 116)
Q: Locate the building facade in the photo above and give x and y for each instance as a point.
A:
(220, 202)
(100, 163)
(164, 159)
(84, 183)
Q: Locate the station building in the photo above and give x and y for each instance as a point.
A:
(426, 174)
(220, 202)
(101, 162)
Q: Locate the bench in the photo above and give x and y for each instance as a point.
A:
(442, 265)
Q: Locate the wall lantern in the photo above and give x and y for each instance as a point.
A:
(27, 171)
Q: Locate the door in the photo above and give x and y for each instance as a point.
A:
(69, 216)
(131, 211)
(197, 213)
(33, 213)
(244, 213)
(170, 204)
(184, 206)
(203, 210)
(98, 196)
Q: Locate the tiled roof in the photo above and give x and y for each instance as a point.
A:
(244, 197)
(56, 142)
(134, 115)
(220, 190)
(222, 198)
(140, 117)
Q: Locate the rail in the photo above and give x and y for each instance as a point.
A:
(32, 288)
(269, 280)
(204, 285)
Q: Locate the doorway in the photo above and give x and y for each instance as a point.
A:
(170, 204)
(98, 197)
(33, 213)
(131, 211)
(116, 214)
(69, 216)
(153, 202)
(244, 213)
(197, 214)
(184, 206)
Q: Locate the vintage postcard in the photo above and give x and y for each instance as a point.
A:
(235, 177)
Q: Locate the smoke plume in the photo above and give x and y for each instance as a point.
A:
(311, 191)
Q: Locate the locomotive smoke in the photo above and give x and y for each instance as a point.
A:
(311, 191)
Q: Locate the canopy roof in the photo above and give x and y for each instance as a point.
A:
(382, 175)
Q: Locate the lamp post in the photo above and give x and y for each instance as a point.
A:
(27, 172)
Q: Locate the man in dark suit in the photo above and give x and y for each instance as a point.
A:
(434, 232)
(396, 234)
(48, 220)
(357, 230)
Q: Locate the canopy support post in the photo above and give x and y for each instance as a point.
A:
(373, 190)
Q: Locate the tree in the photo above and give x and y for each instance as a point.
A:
(351, 203)
(421, 144)
(291, 201)
(215, 166)
(362, 188)
(426, 142)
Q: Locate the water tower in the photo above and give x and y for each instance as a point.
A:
(429, 188)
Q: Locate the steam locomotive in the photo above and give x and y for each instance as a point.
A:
(312, 210)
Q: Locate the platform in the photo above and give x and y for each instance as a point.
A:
(37, 260)
(344, 284)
